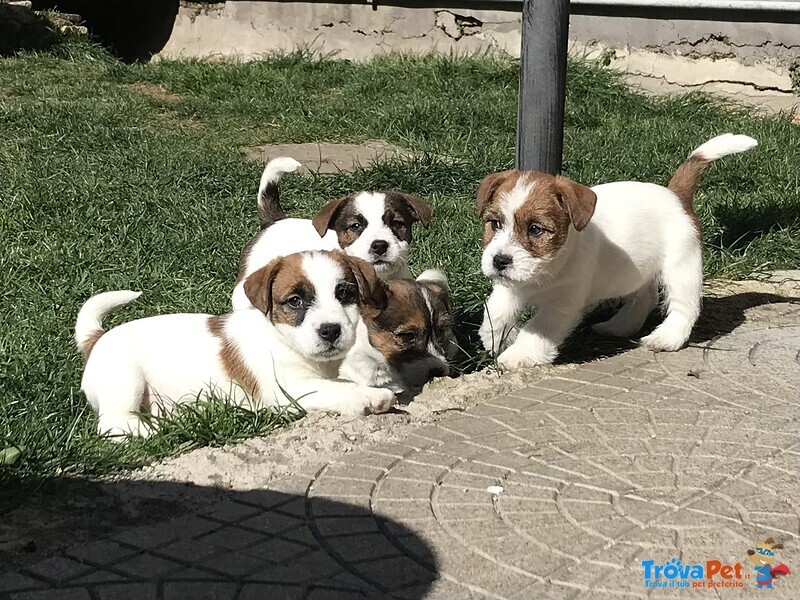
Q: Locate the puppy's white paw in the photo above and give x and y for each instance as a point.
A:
(370, 401)
(518, 357)
(664, 340)
(495, 340)
(119, 428)
(382, 400)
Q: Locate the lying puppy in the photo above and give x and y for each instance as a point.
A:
(306, 308)
(560, 246)
(405, 343)
(373, 226)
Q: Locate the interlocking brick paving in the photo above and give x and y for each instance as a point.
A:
(560, 490)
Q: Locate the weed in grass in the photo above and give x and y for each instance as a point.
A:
(104, 187)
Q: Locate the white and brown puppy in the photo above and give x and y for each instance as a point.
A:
(373, 226)
(407, 341)
(306, 309)
(563, 247)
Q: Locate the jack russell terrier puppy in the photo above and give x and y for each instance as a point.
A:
(406, 342)
(372, 226)
(292, 342)
(563, 247)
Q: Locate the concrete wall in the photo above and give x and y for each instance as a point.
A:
(736, 58)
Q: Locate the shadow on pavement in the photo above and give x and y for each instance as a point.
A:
(157, 539)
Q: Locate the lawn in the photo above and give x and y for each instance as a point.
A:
(131, 176)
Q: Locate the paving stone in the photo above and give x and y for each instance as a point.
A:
(199, 591)
(271, 523)
(232, 538)
(153, 566)
(188, 551)
(277, 550)
(62, 594)
(104, 552)
(271, 591)
(59, 569)
(234, 564)
(148, 537)
(230, 512)
(12, 582)
(127, 591)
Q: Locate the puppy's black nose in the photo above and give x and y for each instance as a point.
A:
(379, 247)
(501, 261)
(330, 332)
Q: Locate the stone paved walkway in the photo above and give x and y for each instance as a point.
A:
(692, 455)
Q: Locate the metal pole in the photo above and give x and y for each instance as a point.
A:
(542, 84)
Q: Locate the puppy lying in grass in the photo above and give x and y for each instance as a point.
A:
(287, 348)
(563, 247)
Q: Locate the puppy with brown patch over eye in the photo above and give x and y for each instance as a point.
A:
(562, 247)
(406, 342)
(373, 226)
(292, 342)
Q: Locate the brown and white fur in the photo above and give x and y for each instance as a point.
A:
(406, 342)
(563, 247)
(373, 226)
(303, 322)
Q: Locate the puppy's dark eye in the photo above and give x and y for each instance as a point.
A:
(496, 225)
(355, 226)
(295, 302)
(535, 230)
(345, 293)
(407, 337)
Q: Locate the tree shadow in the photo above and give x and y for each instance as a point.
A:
(132, 30)
(160, 539)
(22, 29)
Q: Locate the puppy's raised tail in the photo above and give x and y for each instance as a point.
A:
(89, 324)
(269, 202)
(685, 180)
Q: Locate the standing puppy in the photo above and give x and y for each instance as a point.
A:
(303, 322)
(372, 226)
(563, 247)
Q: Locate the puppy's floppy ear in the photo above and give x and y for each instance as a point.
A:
(418, 206)
(258, 287)
(578, 200)
(324, 219)
(371, 290)
(488, 188)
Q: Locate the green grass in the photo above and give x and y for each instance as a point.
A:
(103, 186)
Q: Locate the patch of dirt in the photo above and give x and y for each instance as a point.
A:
(327, 157)
(154, 90)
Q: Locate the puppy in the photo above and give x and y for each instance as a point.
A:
(373, 226)
(406, 342)
(562, 247)
(292, 342)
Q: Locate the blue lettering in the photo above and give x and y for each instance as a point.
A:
(647, 565)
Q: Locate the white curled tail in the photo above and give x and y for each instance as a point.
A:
(269, 204)
(723, 145)
(89, 324)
